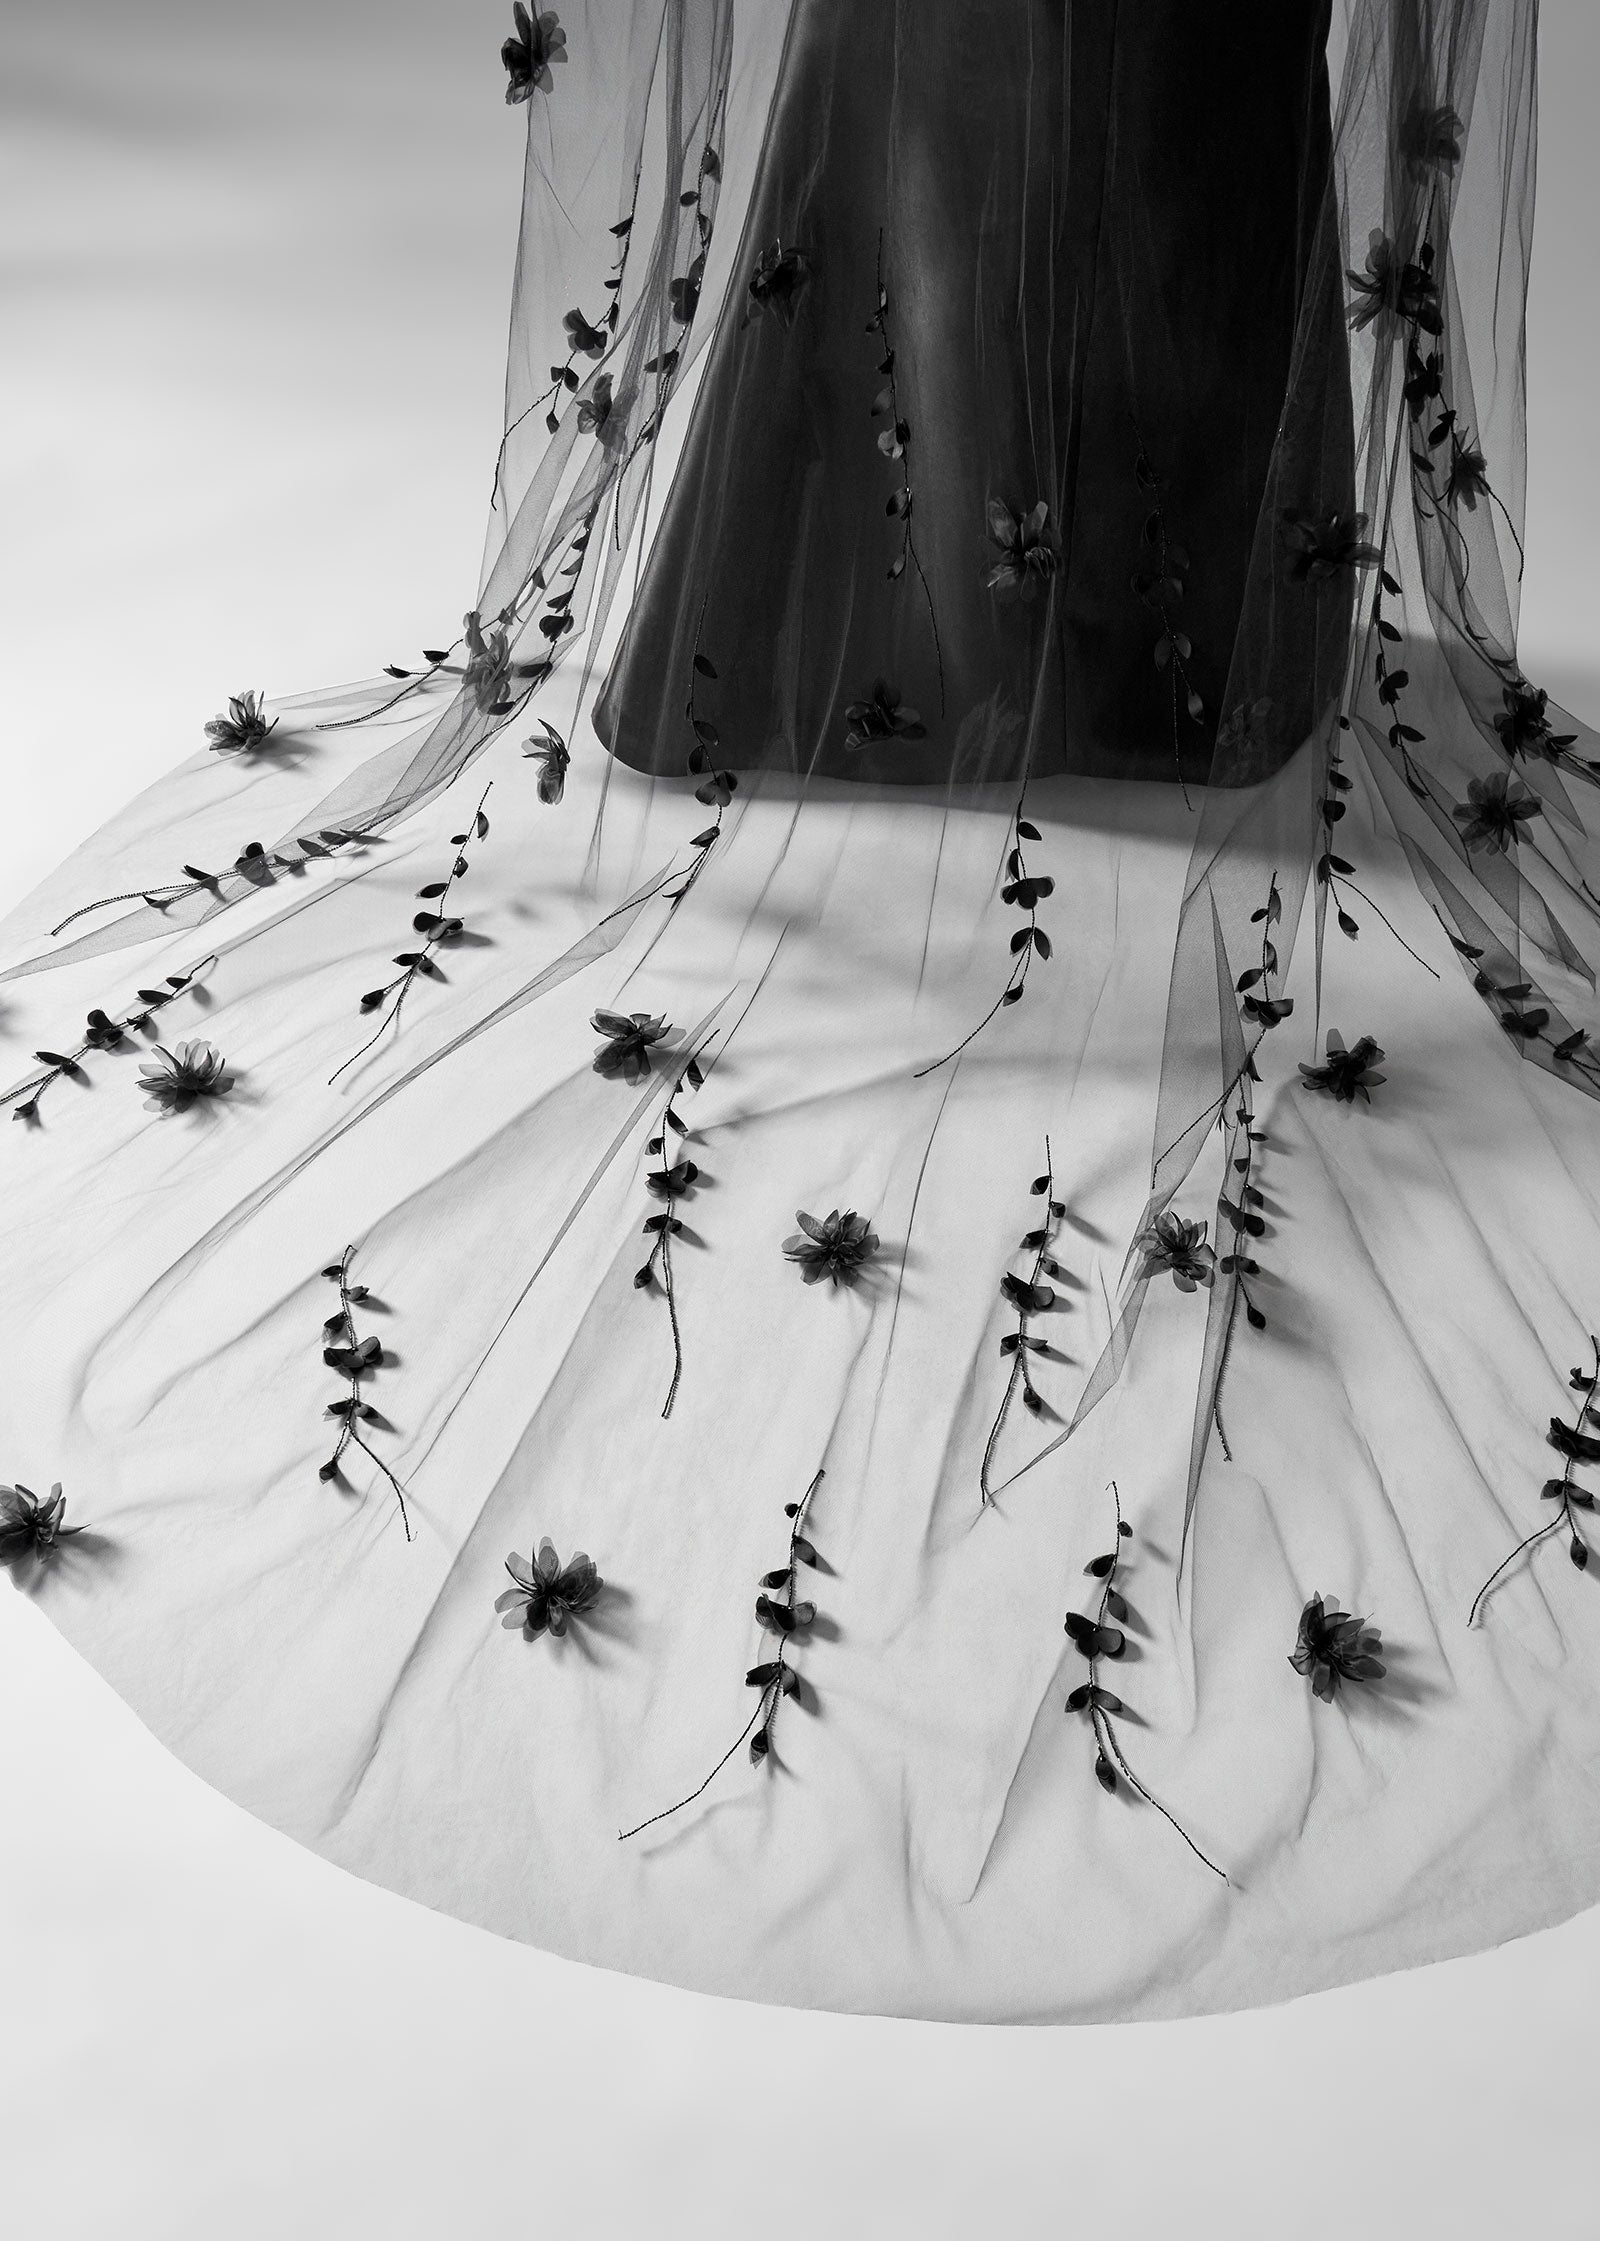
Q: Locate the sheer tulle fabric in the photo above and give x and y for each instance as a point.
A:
(959, 845)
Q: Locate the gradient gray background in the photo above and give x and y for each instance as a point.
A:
(255, 268)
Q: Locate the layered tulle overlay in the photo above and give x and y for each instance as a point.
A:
(858, 1258)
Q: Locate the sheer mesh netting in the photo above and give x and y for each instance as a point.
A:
(995, 657)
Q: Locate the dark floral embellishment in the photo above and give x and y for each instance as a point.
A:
(1467, 476)
(684, 293)
(1245, 727)
(30, 1529)
(630, 1041)
(1322, 547)
(1345, 1074)
(548, 1594)
(583, 340)
(552, 758)
(1176, 1248)
(670, 1181)
(1029, 549)
(778, 282)
(882, 715)
(528, 54)
(488, 665)
(1430, 136)
(353, 1358)
(1333, 1647)
(436, 925)
(838, 1247)
(1524, 726)
(1495, 811)
(595, 409)
(1393, 287)
(243, 728)
(173, 1079)
(1101, 1636)
(1574, 1445)
(1028, 1296)
(781, 1614)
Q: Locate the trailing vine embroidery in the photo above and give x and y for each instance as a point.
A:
(1103, 1636)
(1158, 589)
(1029, 1295)
(671, 1180)
(253, 863)
(354, 1357)
(1025, 891)
(436, 925)
(780, 1613)
(1574, 1445)
(895, 443)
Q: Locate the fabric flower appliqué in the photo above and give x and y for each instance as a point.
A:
(243, 728)
(1345, 1074)
(31, 1530)
(1029, 551)
(547, 1594)
(551, 757)
(778, 282)
(1524, 726)
(1393, 287)
(488, 663)
(882, 715)
(172, 1080)
(1176, 1248)
(630, 1039)
(1333, 1647)
(1323, 547)
(1494, 812)
(528, 54)
(838, 1247)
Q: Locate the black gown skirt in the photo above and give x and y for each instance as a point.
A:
(1001, 256)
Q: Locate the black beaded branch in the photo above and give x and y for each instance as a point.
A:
(1030, 1295)
(670, 1181)
(1024, 891)
(253, 863)
(775, 1678)
(101, 1032)
(895, 444)
(716, 788)
(1574, 1446)
(1103, 1636)
(436, 925)
(354, 1357)
(1159, 589)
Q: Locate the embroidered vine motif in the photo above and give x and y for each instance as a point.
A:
(780, 279)
(1332, 1648)
(528, 55)
(780, 1613)
(895, 444)
(1575, 1446)
(1526, 1022)
(672, 1179)
(684, 292)
(1029, 1295)
(253, 863)
(1025, 891)
(837, 1247)
(550, 756)
(355, 1358)
(32, 1530)
(243, 729)
(1346, 1074)
(437, 927)
(546, 1595)
(1103, 1636)
(715, 788)
(1159, 589)
(100, 1033)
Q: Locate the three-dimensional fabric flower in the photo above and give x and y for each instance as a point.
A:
(1345, 1072)
(1524, 725)
(1494, 812)
(528, 54)
(779, 281)
(30, 1529)
(243, 728)
(837, 1247)
(1029, 551)
(582, 339)
(548, 1594)
(173, 1079)
(1394, 287)
(882, 715)
(488, 663)
(1176, 1248)
(629, 1038)
(1323, 547)
(551, 757)
(1334, 1647)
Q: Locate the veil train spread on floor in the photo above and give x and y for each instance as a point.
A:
(941, 1066)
